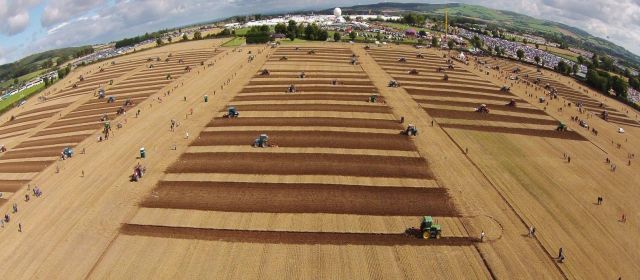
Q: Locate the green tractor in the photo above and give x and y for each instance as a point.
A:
(561, 127)
(429, 229)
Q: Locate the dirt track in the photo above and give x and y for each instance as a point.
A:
(302, 198)
(280, 237)
(320, 139)
(336, 122)
(306, 164)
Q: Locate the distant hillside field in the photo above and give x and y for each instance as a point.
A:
(511, 21)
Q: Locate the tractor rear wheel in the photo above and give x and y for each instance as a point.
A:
(426, 235)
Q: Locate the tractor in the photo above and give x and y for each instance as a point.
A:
(413, 72)
(505, 89)
(512, 103)
(265, 72)
(232, 113)
(429, 229)
(419, 55)
(393, 83)
(373, 98)
(561, 127)
(111, 99)
(411, 130)
(482, 109)
(100, 93)
(402, 59)
(445, 77)
(302, 75)
(261, 141)
(291, 89)
(605, 115)
(67, 153)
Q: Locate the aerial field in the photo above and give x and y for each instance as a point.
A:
(338, 187)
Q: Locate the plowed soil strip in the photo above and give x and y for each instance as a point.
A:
(24, 167)
(319, 139)
(302, 164)
(53, 141)
(302, 198)
(419, 92)
(533, 111)
(85, 120)
(470, 115)
(335, 97)
(328, 88)
(311, 75)
(290, 237)
(308, 82)
(571, 135)
(313, 107)
(11, 185)
(33, 153)
(335, 122)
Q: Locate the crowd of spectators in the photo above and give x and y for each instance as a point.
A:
(510, 49)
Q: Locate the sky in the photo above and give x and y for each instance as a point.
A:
(31, 26)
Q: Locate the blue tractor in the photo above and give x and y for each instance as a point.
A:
(232, 113)
(67, 152)
(261, 141)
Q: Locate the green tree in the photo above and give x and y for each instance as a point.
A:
(379, 36)
(634, 83)
(595, 61)
(197, 35)
(620, 87)
(265, 28)
(352, 35)
(281, 28)
(337, 37)
(185, 38)
(575, 69)
(257, 17)
(434, 42)
(520, 54)
(451, 44)
(537, 46)
(497, 49)
(580, 59)
(169, 39)
(159, 41)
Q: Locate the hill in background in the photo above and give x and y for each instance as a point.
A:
(511, 21)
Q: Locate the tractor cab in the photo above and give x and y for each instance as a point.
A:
(505, 88)
(111, 99)
(261, 141)
(512, 103)
(303, 75)
(605, 115)
(541, 99)
(393, 83)
(429, 229)
(402, 59)
(265, 72)
(232, 113)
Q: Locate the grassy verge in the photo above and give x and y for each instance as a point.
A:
(235, 42)
(7, 103)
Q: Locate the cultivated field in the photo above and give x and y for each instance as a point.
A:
(332, 195)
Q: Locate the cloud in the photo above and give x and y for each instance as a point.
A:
(78, 22)
(14, 15)
(58, 11)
